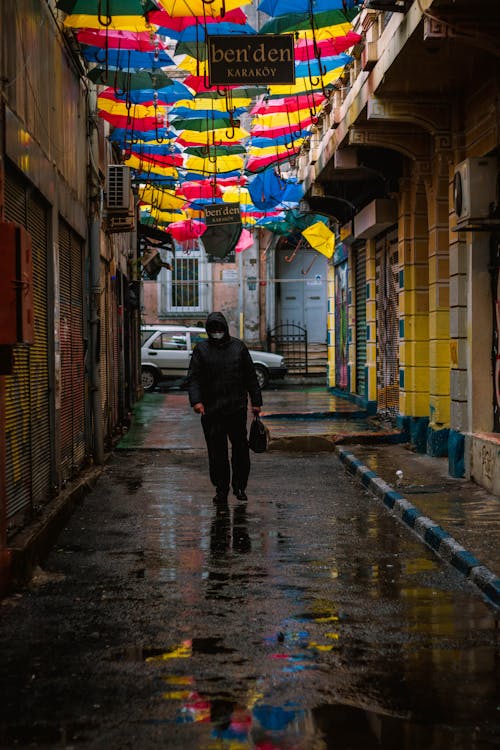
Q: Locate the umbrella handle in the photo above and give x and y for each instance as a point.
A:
(108, 20)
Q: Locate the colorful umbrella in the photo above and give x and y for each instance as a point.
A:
(304, 21)
(116, 39)
(284, 7)
(182, 231)
(269, 190)
(172, 26)
(127, 81)
(320, 238)
(125, 15)
(126, 59)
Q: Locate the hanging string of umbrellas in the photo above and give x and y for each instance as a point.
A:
(190, 144)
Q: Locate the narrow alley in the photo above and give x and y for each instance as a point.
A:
(307, 618)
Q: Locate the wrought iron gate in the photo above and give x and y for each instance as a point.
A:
(290, 340)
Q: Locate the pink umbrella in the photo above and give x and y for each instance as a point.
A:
(141, 41)
(290, 103)
(245, 241)
(182, 231)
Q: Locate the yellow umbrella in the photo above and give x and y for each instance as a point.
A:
(135, 111)
(219, 103)
(118, 23)
(148, 166)
(222, 164)
(304, 84)
(237, 195)
(164, 217)
(326, 32)
(199, 7)
(282, 119)
(193, 138)
(274, 150)
(320, 238)
(162, 199)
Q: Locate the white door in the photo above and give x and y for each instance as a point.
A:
(302, 292)
(169, 351)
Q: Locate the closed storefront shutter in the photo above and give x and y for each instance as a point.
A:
(104, 352)
(341, 350)
(29, 460)
(360, 270)
(17, 397)
(41, 444)
(387, 286)
(72, 421)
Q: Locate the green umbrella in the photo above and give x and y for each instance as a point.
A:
(107, 7)
(302, 21)
(123, 81)
(215, 151)
(199, 124)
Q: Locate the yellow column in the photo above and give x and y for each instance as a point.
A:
(439, 298)
(414, 299)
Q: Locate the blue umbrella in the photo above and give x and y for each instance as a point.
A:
(126, 59)
(175, 92)
(268, 190)
(315, 68)
(283, 7)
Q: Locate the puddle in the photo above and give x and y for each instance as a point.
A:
(184, 650)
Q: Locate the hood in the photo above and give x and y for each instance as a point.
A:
(220, 321)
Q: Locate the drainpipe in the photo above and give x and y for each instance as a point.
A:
(95, 210)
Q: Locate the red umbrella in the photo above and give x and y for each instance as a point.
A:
(179, 23)
(304, 48)
(196, 191)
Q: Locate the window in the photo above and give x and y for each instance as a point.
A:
(184, 289)
(171, 340)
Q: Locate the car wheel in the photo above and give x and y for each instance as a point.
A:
(149, 379)
(262, 376)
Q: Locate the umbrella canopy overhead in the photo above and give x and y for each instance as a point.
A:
(188, 143)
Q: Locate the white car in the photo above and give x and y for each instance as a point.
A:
(166, 351)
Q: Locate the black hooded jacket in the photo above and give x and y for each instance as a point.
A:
(221, 373)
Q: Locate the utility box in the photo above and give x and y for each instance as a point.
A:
(16, 285)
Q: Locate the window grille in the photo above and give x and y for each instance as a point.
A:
(184, 288)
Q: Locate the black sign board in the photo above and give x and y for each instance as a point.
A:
(222, 213)
(243, 59)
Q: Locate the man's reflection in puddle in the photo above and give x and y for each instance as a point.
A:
(229, 538)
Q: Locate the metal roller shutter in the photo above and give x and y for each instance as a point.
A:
(360, 270)
(17, 396)
(41, 443)
(30, 458)
(72, 422)
(387, 289)
(104, 349)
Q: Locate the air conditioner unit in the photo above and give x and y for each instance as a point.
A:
(475, 189)
(118, 188)
(115, 223)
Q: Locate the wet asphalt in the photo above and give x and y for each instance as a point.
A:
(307, 619)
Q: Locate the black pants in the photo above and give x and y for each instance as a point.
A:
(217, 429)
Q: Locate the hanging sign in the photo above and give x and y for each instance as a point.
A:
(260, 59)
(222, 213)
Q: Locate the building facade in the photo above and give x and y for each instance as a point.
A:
(414, 333)
(69, 352)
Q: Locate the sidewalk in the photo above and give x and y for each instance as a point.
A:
(457, 518)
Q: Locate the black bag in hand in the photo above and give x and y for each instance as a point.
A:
(258, 437)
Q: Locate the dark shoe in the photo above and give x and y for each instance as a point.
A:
(220, 497)
(241, 495)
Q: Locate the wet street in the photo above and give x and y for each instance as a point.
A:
(307, 619)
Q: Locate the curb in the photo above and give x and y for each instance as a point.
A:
(430, 532)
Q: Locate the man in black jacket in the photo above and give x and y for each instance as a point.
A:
(221, 377)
